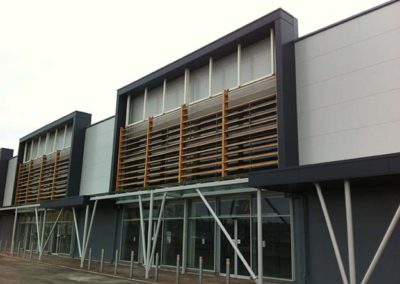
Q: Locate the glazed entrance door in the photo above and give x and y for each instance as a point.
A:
(239, 230)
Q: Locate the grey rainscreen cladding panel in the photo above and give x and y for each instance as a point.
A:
(255, 61)
(224, 73)
(174, 94)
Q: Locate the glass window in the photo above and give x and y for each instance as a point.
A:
(273, 205)
(130, 240)
(224, 74)
(277, 247)
(59, 139)
(34, 148)
(28, 151)
(41, 145)
(198, 209)
(172, 241)
(154, 102)
(201, 238)
(198, 84)
(50, 143)
(68, 137)
(255, 61)
(173, 210)
(136, 108)
(232, 206)
(174, 94)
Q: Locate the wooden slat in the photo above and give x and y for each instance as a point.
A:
(182, 129)
(55, 173)
(148, 142)
(121, 142)
(224, 132)
(253, 165)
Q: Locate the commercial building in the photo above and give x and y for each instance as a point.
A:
(277, 152)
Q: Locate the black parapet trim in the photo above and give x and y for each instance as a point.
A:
(73, 201)
(375, 166)
(5, 156)
(285, 33)
(120, 114)
(247, 34)
(80, 123)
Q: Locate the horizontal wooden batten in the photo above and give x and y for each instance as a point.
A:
(43, 178)
(225, 135)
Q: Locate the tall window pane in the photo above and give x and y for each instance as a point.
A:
(136, 108)
(50, 143)
(154, 101)
(28, 151)
(255, 61)
(174, 94)
(198, 84)
(41, 146)
(224, 73)
(34, 149)
(68, 137)
(60, 139)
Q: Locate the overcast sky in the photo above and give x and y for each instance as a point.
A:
(60, 56)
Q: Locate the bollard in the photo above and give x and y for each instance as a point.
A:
(116, 262)
(156, 268)
(131, 266)
(18, 247)
(228, 272)
(200, 270)
(30, 252)
(24, 253)
(89, 259)
(177, 269)
(101, 260)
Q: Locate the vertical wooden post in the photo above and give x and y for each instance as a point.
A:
(55, 172)
(18, 190)
(224, 131)
(147, 160)
(43, 164)
(122, 133)
(28, 181)
(182, 131)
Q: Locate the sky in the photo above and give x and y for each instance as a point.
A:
(60, 56)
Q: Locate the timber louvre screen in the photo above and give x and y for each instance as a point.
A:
(43, 178)
(225, 135)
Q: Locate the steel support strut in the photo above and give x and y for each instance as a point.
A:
(350, 235)
(232, 242)
(331, 234)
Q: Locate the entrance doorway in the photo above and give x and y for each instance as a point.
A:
(239, 229)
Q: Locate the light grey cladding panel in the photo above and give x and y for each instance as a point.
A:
(348, 89)
(96, 164)
(10, 180)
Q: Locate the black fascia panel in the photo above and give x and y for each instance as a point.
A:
(5, 156)
(223, 46)
(79, 121)
(375, 166)
(67, 202)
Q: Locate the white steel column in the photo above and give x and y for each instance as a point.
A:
(142, 231)
(84, 234)
(38, 231)
(153, 249)
(50, 233)
(43, 227)
(14, 229)
(331, 234)
(77, 232)
(184, 237)
(149, 233)
(232, 242)
(87, 232)
(350, 234)
(259, 238)
(381, 246)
